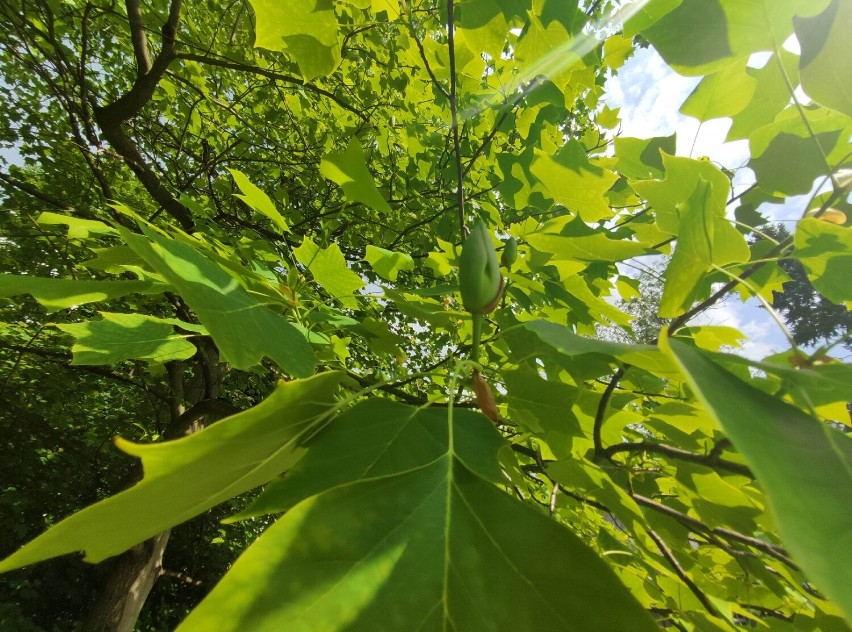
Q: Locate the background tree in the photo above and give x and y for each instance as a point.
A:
(244, 259)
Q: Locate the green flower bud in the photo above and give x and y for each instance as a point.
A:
(510, 253)
(479, 274)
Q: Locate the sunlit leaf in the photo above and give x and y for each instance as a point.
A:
(571, 180)
(244, 329)
(423, 540)
(258, 200)
(804, 466)
(387, 263)
(826, 62)
(120, 337)
(329, 269)
(305, 29)
(825, 249)
(706, 239)
(186, 476)
(349, 170)
(60, 293)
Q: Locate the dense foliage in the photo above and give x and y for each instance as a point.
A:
(232, 236)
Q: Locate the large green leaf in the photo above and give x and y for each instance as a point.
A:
(118, 337)
(703, 36)
(571, 180)
(682, 175)
(587, 248)
(770, 94)
(305, 29)
(804, 466)
(388, 263)
(349, 170)
(724, 93)
(56, 294)
(826, 61)
(329, 269)
(583, 350)
(825, 249)
(244, 329)
(187, 476)
(706, 239)
(256, 199)
(422, 539)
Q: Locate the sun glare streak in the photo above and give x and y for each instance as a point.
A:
(561, 59)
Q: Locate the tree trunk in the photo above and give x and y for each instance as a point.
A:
(126, 586)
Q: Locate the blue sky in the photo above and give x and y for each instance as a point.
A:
(650, 94)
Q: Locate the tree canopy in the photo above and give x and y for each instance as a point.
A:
(236, 238)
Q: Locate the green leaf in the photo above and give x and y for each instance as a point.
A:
(804, 466)
(826, 60)
(772, 146)
(185, 477)
(642, 158)
(329, 269)
(581, 350)
(78, 228)
(305, 29)
(349, 170)
(587, 248)
(724, 93)
(571, 180)
(258, 200)
(56, 294)
(379, 438)
(706, 239)
(120, 337)
(825, 249)
(703, 36)
(387, 263)
(682, 176)
(244, 330)
(422, 539)
(770, 94)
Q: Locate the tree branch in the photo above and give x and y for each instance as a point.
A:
(601, 412)
(110, 118)
(678, 569)
(761, 545)
(270, 74)
(138, 37)
(711, 460)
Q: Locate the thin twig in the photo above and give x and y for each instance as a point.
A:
(455, 116)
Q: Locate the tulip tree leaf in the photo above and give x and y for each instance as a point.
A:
(56, 294)
(349, 170)
(724, 93)
(826, 61)
(244, 329)
(571, 180)
(78, 228)
(825, 249)
(304, 29)
(420, 538)
(706, 239)
(256, 199)
(682, 175)
(703, 36)
(120, 337)
(186, 476)
(329, 269)
(387, 263)
(588, 248)
(804, 466)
